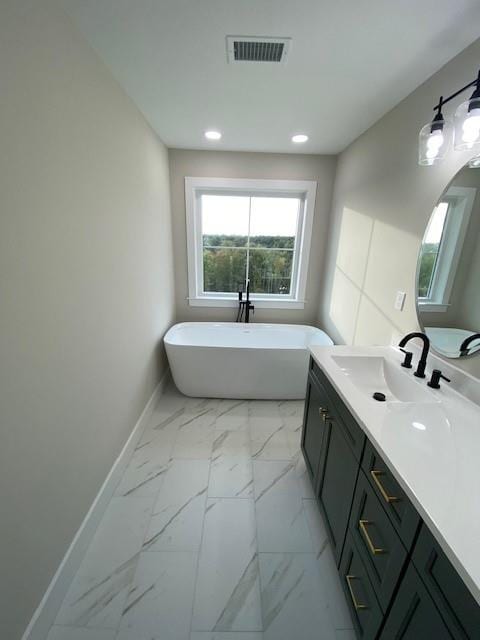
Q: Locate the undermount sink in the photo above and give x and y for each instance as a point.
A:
(372, 374)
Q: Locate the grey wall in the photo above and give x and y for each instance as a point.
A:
(217, 164)
(86, 289)
(382, 202)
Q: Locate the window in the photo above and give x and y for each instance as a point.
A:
(256, 230)
(442, 247)
(430, 251)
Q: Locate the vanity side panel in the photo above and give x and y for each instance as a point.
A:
(458, 607)
(414, 615)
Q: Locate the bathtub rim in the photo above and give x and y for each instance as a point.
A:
(168, 341)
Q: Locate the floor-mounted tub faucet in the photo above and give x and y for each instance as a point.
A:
(244, 306)
(422, 363)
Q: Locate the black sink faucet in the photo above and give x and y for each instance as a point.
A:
(464, 350)
(422, 363)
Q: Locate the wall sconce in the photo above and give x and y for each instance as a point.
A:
(436, 137)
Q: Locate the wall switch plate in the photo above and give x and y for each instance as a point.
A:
(400, 300)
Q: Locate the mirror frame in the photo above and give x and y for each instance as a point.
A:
(417, 273)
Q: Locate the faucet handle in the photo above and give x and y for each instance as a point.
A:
(407, 363)
(434, 381)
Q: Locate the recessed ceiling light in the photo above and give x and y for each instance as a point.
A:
(213, 135)
(300, 137)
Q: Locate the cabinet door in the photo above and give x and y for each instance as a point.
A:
(459, 609)
(353, 433)
(413, 615)
(313, 429)
(337, 484)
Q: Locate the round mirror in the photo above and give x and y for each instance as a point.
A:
(448, 271)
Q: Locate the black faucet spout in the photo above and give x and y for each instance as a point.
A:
(422, 363)
(464, 347)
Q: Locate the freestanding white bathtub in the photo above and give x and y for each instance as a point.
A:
(235, 360)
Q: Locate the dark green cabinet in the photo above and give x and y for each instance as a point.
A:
(400, 511)
(365, 609)
(313, 429)
(398, 582)
(460, 611)
(337, 485)
(381, 549)
(413, 615)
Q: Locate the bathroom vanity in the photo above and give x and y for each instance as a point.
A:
(398, 485)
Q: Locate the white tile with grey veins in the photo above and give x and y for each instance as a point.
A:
(264, 408)
(159, 604)
(231, 443)
(281, 523)
(303, 477)
(96, 602)
(269, 438)
(316, 526)
(227, 596)
(232, 415)
(332, 590)
(194, 442)
(291, 408)
(96, 595)
(167, 413)
(175, 410)
(119, 536)
(73, 633)
(231, 474)
(292, 602)
(147, 467)
(177, 517)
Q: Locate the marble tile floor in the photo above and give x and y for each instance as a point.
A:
(212, 534)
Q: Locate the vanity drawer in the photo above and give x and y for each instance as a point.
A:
(377, 541)
(402, 513)
(364, 608)
(352, 432)
(455, 602)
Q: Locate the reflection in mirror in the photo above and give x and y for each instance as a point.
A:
(448, 272)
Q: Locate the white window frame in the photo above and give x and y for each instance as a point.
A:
(305, 190)
(460, 203)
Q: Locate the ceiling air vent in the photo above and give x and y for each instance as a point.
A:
(256, 49)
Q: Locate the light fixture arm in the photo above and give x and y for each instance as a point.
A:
(442, 100)
(436, 137)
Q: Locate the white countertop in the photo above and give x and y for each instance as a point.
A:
(433, 450)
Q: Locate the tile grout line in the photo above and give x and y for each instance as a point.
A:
(154, 501)
(200, 547)
(260, 586)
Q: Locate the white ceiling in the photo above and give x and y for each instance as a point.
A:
(350, 61)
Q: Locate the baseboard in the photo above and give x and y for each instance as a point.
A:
(45, 615)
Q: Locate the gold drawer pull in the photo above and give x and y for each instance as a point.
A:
(363, 528)
(356, 604)
(324, 414)
(374, 473)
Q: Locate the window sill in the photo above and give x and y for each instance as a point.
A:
(433, 307)
(259, 303)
